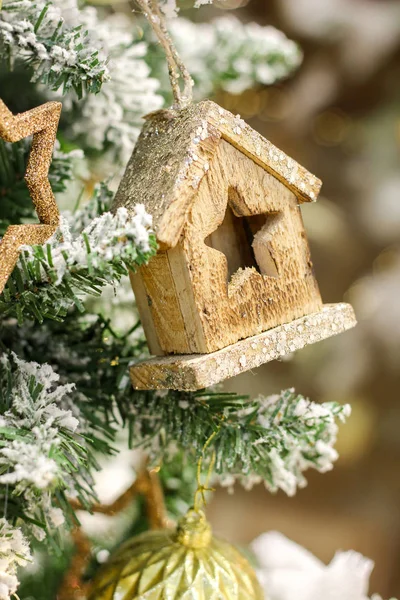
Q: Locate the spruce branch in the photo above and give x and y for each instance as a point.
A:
(48, 280)
(247, 55)
(271, 439)
(85, 350)
(14, 553)
(111, 120)
(42, 452)
(60, 54)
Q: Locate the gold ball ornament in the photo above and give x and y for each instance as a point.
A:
(186, 564)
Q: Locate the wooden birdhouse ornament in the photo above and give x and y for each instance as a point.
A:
(232, 285)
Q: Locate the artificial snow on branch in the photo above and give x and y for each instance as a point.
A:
(230, 55)
(14, 553)
(112, 119)
(71, 48)
(48, 280)
(270, 439)
(224, 54)
(41, 453)
(54, 43)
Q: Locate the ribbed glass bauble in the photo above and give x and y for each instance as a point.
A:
(186, 564)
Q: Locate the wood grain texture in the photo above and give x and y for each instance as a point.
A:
(171, 157)
(242, 264)
(146, 316)
(158, 305)
(230, 307)
(237, 132)
(174, 153)
(194, 372)
(234, 259)
(180, 271)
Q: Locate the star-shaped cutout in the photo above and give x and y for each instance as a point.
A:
(244, 241)
(42, 123)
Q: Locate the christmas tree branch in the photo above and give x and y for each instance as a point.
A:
(59, 52)
(248, 54)
(48, 280)
(43, 447)
(111, 47)
(270, 439)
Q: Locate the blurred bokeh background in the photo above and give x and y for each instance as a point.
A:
(340, 117)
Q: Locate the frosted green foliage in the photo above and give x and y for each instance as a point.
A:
(41, 451)
(97, 205)
(222, 54)
(14, 553)
(50, 279)
(112, 119)
(268, 439)
(71, 48)
(273, 439)
(85, 350)
(55, 44)
(228, 54)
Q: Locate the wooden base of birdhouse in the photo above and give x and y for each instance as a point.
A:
(191, 372)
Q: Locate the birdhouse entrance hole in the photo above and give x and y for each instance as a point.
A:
(244, 243)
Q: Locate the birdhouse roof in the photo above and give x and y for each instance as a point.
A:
(175, 151)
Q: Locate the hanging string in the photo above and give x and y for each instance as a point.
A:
(176, 67)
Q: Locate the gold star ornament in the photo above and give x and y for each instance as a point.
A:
(40, 122)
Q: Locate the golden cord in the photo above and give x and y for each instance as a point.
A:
(199, 498)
